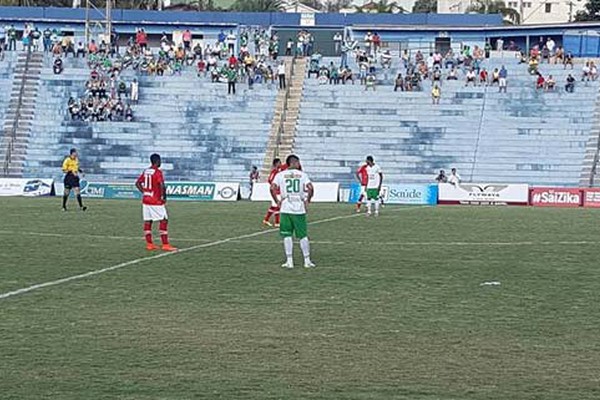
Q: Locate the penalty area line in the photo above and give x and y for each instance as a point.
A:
(161, 255)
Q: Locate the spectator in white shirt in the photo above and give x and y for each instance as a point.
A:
(281, 74)
(454, 178)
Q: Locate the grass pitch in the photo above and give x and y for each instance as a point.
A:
(394, 310)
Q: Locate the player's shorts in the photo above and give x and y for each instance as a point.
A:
(71, 181)
(293, 225)
(373, 194)
(154, 213)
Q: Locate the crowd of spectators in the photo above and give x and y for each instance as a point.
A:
(106, 98)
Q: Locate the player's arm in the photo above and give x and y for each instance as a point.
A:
(380, 180)
(138, 183)
(163, 190)
(65, 165)
(310, 191)
(273, 191)
(357, 175)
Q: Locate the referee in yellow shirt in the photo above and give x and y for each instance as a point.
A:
(71, 169)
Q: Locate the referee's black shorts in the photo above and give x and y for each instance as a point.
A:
(71, 181)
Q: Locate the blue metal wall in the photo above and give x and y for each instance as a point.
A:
(266, 19)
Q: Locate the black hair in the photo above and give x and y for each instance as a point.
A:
(291, 158)
(73, 150)
(276, 161)
(154, 159)
(370, 158)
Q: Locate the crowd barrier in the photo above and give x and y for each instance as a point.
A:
(332, 192)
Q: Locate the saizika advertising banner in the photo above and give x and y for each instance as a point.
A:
(401, 194)
(556, 197)
(25, 187)
(325, 192)
(185, 191)
(483, 194)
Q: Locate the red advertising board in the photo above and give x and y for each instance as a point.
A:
(556, 197)
(591, 197)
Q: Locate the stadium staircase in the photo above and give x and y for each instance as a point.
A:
(525, 135)
(19, 115)
(283, 127)
(201, 132)
(592, 153)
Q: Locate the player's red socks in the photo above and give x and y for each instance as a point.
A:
(148, 231)
(277, 218)
(270, 213)
(164, 234)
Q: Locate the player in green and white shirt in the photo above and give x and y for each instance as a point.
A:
(374, 181)
(295, 192)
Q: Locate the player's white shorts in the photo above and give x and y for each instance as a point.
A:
(154, 213)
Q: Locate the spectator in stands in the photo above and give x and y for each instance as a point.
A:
(550, 83)
(568, 60)
(92, 47)
(470, 78)
(585, 72)
(399, 83)
(289, 46)
(337, 42)
(67, 45)
(231, 75)
(314, 64)
(25, 39)
(533, 66)
(47, 40)
(57, 67)
(503, 75)
(452, 75)
(11, 33)
(80, 50)
(454, 178)
(540, 82)
(281, 75)
(559, 56)
(436, 76)
(483, 77)
(386, 59)
(570, 85)
(128, 113)
(141, 39)
(2, 37)
(495, 78)
(593, 71)
(370, 82)
(134, 91)
(36, 37)
(347, 75)
(334, 76)
(436, 93)
(186, 37)
(441, 177)
(230, 40)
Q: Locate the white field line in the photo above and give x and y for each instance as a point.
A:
(161, 255)
(141, 237)
(400, 244)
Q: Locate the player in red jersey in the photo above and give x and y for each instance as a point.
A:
(276, 168)
(363, 177)
(154, 196)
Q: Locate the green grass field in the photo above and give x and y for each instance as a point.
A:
(394, 310)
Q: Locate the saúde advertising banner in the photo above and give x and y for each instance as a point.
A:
(483, 194)
(556, 197)
(25, 187)
(182, 191)
(401, 194)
